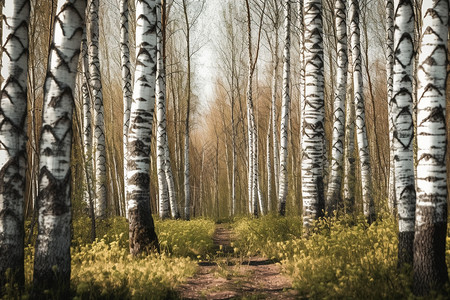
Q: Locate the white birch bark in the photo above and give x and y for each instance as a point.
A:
(313, 115)
(233, 175)
(337, 151)
(392, 201)
(127, 93)
(269, 166)
(276, 164)
(261, 208)
(361, 133)
(430, 270)
(250, 154)
(52, 252)
(349, 149)
(13, 135)
(251, 121)
(301, 36)
(285, 110)
(87, 122)
(99, 121)
(142, 230)
(170, 181)
(401, 107)
(163, 192)
(187, 187)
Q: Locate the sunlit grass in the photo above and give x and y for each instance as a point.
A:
(344, 258)
(105, 269)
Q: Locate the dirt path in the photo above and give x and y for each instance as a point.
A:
(227, 277)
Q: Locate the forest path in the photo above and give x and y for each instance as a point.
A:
(226, 276)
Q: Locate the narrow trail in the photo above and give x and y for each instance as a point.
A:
(228, 277)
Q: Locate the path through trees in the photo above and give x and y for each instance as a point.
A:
(226, 276)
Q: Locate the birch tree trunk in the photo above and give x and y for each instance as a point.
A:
(276, 164)
(430, 269)
(251, 121)
(89, 196)
(163, 191)
(337, 151)
(313, 115)
(187, 187)
(142, 229)
(13, 136)
(99, 121)
(301, 36)
(233, 141)
(52, 252)
(283, 183)
(361, 133)
(349, 150)
(403, 128)
(392, 201)
(126, 84)
(87, 120)
(170, 181)
(269, 167)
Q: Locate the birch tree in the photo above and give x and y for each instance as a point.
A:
(361, 133)
(251, 121)
(403, 128)
(142, 229)
(189, 22)
(89, 196)
(52, 252)
(13, 135)
(349, 148)
(392, 202)
(337, 151)
(126, 81)
(313, 115)
(99, 121)
(301, 38)
(275, 15)
(283, 183)
(167, 162)
(87, 119)
(163, 192)
(430, 269)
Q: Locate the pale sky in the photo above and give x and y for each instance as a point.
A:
(204, 59)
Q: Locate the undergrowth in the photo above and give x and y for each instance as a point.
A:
(104, 268)
(343, 258)
(260, 236)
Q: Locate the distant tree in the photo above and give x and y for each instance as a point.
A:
(127, 89)
(430, 269)
(13, 136)
(274, 14)
(99, 118)
(52, 252)
(89, 196)
(285, 111)
(361, 133)
(142, 229)
(163, 191)
(313, 115)
(392, 202)
(337, 152)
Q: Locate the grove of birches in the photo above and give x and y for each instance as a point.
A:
(326, 123)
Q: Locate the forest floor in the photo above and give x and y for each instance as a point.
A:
(225, 276)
